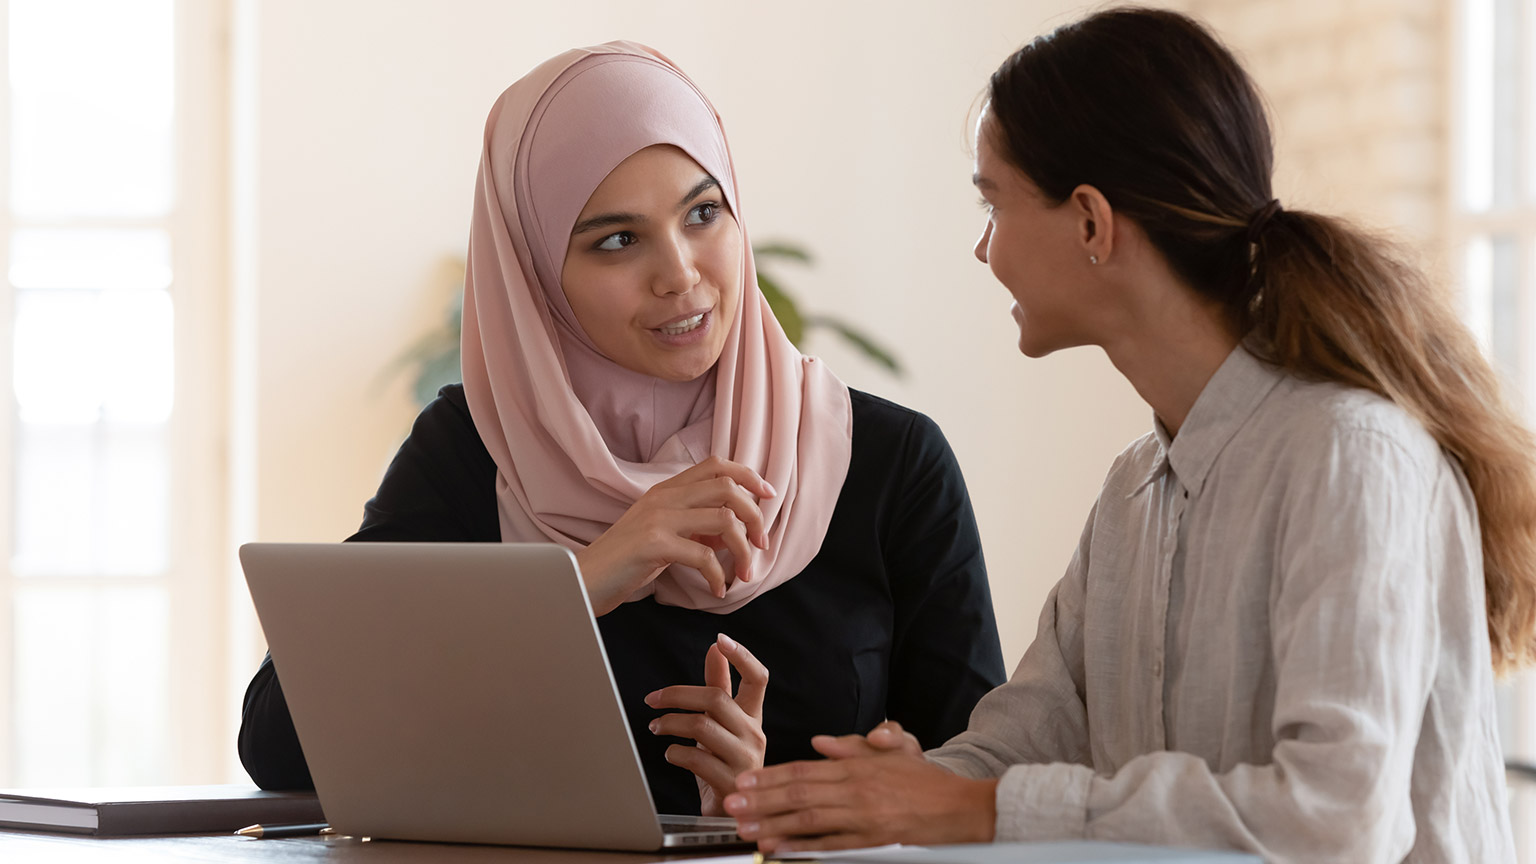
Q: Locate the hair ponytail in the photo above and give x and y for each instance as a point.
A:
(1149, 108)
(1335, 304)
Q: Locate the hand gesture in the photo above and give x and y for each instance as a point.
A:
(727, 731)
(888, 737)
(872, 790)
(682, 520)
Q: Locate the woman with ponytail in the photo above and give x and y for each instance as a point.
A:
(1281, 627)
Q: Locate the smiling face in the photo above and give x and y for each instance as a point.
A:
(1034, 247)
(653, 269)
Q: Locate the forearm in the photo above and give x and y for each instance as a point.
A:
(269, 746)
(1296, 810)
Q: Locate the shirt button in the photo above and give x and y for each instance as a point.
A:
(1157, 668)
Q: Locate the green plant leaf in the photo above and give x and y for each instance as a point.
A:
(781, 250)
(434, 373)
(783, 308)
(870, 347)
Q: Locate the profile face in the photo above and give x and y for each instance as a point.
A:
(1032, 247)
(653, 268)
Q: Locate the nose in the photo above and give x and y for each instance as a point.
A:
(677, 272)
(981, 243)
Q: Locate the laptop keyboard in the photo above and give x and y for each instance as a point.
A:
(679, 826)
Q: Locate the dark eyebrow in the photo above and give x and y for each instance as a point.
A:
(982, 182)
(703, 185)
(606, 219)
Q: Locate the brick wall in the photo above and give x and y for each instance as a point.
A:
(1358, 93)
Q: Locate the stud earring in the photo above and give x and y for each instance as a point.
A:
(1093, 259)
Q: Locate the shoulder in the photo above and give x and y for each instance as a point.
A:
(1133, 465)
(450, 403)
(447, 416)
(898, 450)
(874, 416)
(1316, 421)
(444, 431)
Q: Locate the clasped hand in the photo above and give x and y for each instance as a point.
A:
(871, 790)
(681, 520)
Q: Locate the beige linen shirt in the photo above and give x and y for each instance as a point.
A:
(1271, 638)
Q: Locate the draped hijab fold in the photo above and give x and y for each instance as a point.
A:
(577, 438)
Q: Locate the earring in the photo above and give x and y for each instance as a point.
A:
(1093, 259)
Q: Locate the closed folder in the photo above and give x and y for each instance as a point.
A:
(124, 810)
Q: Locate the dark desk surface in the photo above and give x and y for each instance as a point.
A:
(24, 847)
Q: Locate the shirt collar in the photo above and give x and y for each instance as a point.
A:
(1228, 400)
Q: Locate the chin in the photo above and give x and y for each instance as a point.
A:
(683, 377)
(690, 372)
(1035, 350)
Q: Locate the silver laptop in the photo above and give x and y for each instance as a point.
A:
(458, 693)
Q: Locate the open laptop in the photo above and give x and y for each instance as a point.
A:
(457, 693)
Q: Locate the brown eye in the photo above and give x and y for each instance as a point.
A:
(615, 242)
(703, 214)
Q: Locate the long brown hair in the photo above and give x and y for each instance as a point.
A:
(1149, 108)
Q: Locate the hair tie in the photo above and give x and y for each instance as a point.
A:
(1260, 220)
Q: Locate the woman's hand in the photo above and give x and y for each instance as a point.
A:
(872, 790)
(888, 737)
(683, 520)
(728, 732)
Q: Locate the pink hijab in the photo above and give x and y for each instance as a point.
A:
(576, 438)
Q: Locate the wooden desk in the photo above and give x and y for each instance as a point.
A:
(24, 847)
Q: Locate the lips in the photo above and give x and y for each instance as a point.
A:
(683, 323)
(690, 323)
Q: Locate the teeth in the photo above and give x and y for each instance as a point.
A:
(684, 325)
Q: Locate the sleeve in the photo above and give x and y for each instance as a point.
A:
(1353, 636)
(439, 487)
(269, 746)
(945, 653)
(1040, 716)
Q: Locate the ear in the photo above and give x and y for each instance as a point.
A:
(1095, 222)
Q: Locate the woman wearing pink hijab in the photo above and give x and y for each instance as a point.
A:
(628, 394)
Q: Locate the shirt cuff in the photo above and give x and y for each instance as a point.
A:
(1043, 802)
(960, 763)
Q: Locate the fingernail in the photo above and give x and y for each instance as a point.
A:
(746, 781)
(734, 802)
(652, 698)
(726, 642)
(720, 592)
(747, 829)
(772, 493)
(652, 726)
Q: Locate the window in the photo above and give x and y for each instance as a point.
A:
(112, 299)
(1493, 228)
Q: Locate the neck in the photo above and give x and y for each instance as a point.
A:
(1170, 348)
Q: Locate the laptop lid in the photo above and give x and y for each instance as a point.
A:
(452, 692)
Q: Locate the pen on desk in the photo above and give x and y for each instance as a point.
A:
(298, 830)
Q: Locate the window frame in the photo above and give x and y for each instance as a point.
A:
(1464, 226)
(195, 577)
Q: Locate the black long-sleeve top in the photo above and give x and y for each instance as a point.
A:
(891, 619)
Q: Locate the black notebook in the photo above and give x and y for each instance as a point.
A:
(153, 809)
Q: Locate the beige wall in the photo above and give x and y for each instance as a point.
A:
(1358, 96)
(358, 128)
